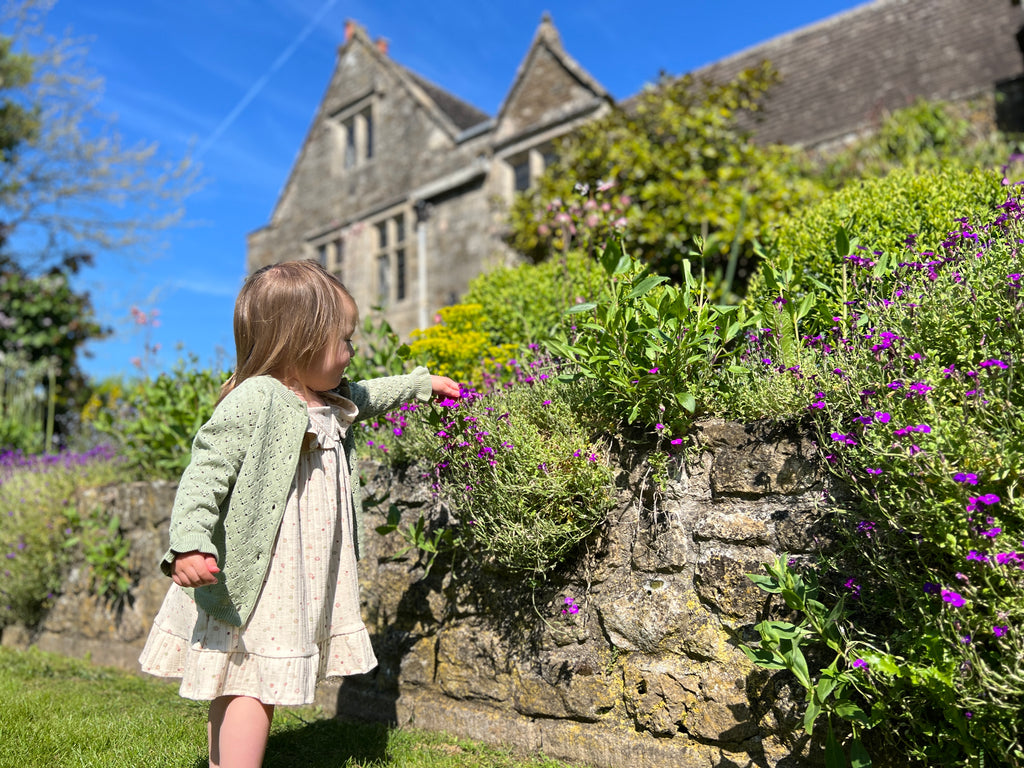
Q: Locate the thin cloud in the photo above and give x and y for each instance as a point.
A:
(262, 81)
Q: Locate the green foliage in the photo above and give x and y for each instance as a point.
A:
(918, 408)
(875, 217)
(28, 394)
(45, 323)
(651, 349)
(927, 134)
(153, 421)
(104, 550)
(37, 497)
(683, 167)
(528, 480)
(835, 689)
(523, 470)
(527, 303)
(457, 347)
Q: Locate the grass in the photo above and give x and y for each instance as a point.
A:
(62, 713)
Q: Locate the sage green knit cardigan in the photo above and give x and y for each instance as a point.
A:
(231, 497)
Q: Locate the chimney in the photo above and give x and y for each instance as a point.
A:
(382, 45)
(350, 27)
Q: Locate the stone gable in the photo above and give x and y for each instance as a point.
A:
(549, 88)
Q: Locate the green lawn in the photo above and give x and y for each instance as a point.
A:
(57, 712)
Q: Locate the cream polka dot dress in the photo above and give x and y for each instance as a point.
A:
(306, 623)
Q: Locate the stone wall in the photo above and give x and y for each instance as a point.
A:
(647, 673)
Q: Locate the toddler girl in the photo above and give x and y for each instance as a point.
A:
(266, 524)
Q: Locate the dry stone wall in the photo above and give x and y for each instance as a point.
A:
(648, 672)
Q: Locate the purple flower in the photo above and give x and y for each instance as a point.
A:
(953, 598)
(860, 664)
(930, 588)
(966, 477)
(570, 607)
(994, 363)
(873, 471)
(854, 588)
(866, 527)
(978, 556)
(882, 417)
(1000, 629)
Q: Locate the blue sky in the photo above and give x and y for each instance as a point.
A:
(237, 82)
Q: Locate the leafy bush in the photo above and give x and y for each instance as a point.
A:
(153, 421)
(650, 349)
(926, 134)
(523, 470)
(37, 497)
(28, 400)
(527, 303)
(44, 323)
(919, 411)
(681, 167)
(457, 346)
(880, 216)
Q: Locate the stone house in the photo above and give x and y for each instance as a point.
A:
(397, 186)
(394, 187)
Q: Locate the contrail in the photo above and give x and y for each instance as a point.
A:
(264, 79)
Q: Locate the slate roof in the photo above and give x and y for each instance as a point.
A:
(840, 74)
(461, 113)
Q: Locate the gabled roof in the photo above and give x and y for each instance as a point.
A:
(452, 114)
(547, 41)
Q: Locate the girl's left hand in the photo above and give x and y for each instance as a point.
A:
(443, 387)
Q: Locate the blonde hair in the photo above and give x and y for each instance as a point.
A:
(285, 315)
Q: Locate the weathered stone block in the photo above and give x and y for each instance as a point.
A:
(471, 663)
(721, 580)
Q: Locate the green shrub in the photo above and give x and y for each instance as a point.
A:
(457, 346)
(153, 421)
(920, 414)
(927, 134)
(527, 303)
(651, 350)
(37, 514)
(674, 167)
(878, 216)
(524, 471)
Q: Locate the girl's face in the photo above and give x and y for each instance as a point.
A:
(327, 371)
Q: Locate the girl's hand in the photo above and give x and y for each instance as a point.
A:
(444, 387)
(194, 569)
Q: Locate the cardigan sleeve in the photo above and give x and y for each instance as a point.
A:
(376, 396)
(217, 452)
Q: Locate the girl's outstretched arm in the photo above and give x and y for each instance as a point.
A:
(443, 387)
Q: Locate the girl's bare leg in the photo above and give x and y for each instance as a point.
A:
(238, 728)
